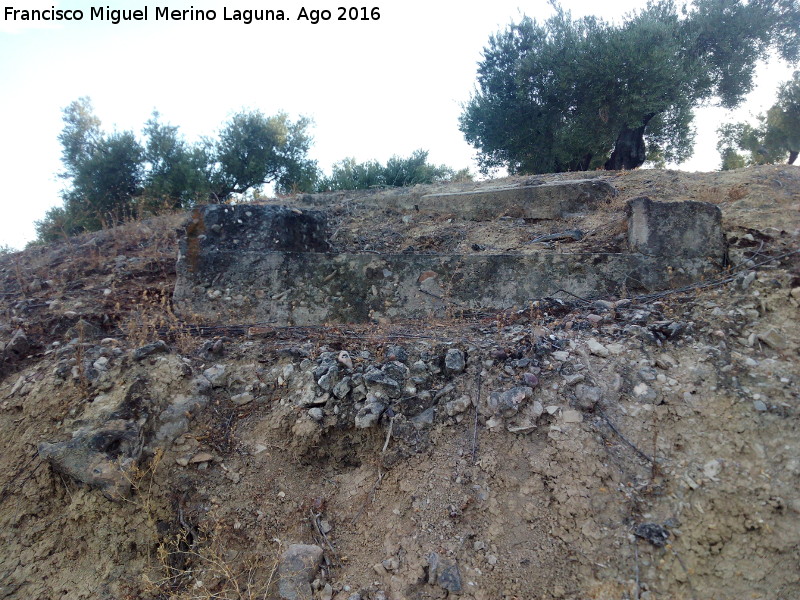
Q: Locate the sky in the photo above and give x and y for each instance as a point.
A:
(374, 88)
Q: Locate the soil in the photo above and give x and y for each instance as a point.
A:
(665, 462)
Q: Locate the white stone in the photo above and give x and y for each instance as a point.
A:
(597, 348)
(242, 399)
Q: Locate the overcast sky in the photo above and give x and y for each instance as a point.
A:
(373, 88)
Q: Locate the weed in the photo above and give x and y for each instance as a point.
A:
(152, 318)
(210, 571)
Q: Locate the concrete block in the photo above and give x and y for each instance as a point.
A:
(679, 229)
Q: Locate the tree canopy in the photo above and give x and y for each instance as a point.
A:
(113, 177)
(577, 94)
(347, 174)
(775, 138)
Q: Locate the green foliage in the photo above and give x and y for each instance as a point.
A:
(113, 177)
(109, 180)
(347, 174)
(397, 172)
(253, 150)
(106, 175)
(175, 174)
(563, 94)
(57, 224)
(776, 136)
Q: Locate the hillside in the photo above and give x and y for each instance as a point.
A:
(639, 445)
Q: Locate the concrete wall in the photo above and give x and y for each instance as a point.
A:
(270, 264)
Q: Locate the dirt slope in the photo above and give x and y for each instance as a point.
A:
(631, 448)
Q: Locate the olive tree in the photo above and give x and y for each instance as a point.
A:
(575, 94)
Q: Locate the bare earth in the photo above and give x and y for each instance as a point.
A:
(664, 463)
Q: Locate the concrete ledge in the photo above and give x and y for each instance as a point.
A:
(557, 200)
(301, 288)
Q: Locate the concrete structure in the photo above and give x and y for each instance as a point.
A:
(557, 200)
(680, 229)
(272, 265)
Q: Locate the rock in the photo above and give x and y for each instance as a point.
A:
(795, 293)
(296, 570)
(322, 368)
(647, 374)
(391, 564)
(99, 457)
(746, 280)
(597, 348)
(760, 406)
(419, 367)
(149, 349)
(574, 378)
(316, 413)
(396, 370)
(457, 406)
(344, 359)
(454, 361)
(18, 347)
(587, 396)
(653, 533)
(675, 229)
(509, 402)
(712, 468)
(560, 355)
(426, 417)
(444, 392)
(370, 414)
(212, 349)
(605, 304)
(174, 419)
(494, 422)
(84, 330)
(530, 379)
(341, 389)
(216, 376)
(327, 381)
(644, 392)
(242, 399)
(774, 339)
(381, 385)
(665, 361)
(397, 353)
(199, 385)
(572, 416)
(201, 457)
(444, 573)
(326, 593)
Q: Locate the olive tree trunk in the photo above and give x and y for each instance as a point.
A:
(629, 149)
